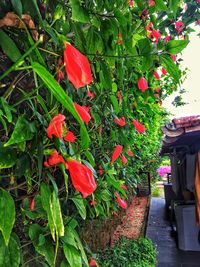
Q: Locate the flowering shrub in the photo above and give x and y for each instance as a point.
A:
(80, 114)
(163, 170)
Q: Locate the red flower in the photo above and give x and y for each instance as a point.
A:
(131, 3)
(90, 94)
(119, 97)
(56, 126)
(130, 153)
(142, 84)
(164, 72)
(149, 27)
(198, 1)
(54, 159)
(155, 35)
(152, 3)
(83, 112)
(116, 153)
(157, 90)
(198, 22)
(101, 170)
(69, 137)
(31, 201)
(121, 121)
(92, 262)
(121, 202)
(139, 127)
(119, 41)
(167, 38)
(77, 67)
(173, 57)
(123, 159)
(93, 202)
(124, 187)
(82, 178)
(120, 35)
(156, 75)
(179, 25)
(60, 75)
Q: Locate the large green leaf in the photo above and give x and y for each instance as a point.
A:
(62, 97)
(171, 67)
(57, 215)
(72, 255)
(45, 248)
(9, 47)
(176, 46)
(46, 203)
(9, 255)
(23, 131)
(7, 214)
(79, 203)
(79, 13)
(8, 157)
(17, 5)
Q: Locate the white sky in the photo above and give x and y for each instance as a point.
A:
(191, 60)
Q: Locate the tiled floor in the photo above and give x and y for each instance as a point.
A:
(159, 231)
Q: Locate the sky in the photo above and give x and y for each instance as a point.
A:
(191, 60)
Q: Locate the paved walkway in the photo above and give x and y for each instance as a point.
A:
(159, 231)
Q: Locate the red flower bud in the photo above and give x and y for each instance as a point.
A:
(90, 94)
(130, 153)
(179, 25)
(31, 201)
(77, 67)
(54, 159)
(93, 202)
(142, 84)
(81, 177)
(167, 38)
(157, 90)
(121, 121)
(173, 57)
(139, 127)
(83, 112)
(92, 262)
(60, 76)
(124, 187)
(119, 97)
(123, 159)
(156, 75)
(69, 137)
(116, 153)
(155, 35)
(101, 170)
(121, 202)
(164, 72)
(152, 3)
(56, 126)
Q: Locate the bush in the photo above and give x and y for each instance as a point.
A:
(130, 253)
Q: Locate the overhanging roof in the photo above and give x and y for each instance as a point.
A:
(181, 133)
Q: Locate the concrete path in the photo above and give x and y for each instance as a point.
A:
(159, 231)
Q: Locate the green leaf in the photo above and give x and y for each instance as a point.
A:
(57, 215)
(7, 109)
(9, 47)
(45, 248)
(46, 198)
(23, 131)
(160, 5)
(63, 98)
(7, 214)
(9, 255)
(8, 157)
(17, 5)
(72, 255)
(115, 103)
(90, 157)
(171, 67)
(79, 202)
(174, 5)
(105, 76)
(176, 46)
(115, 183)
(79, 13)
